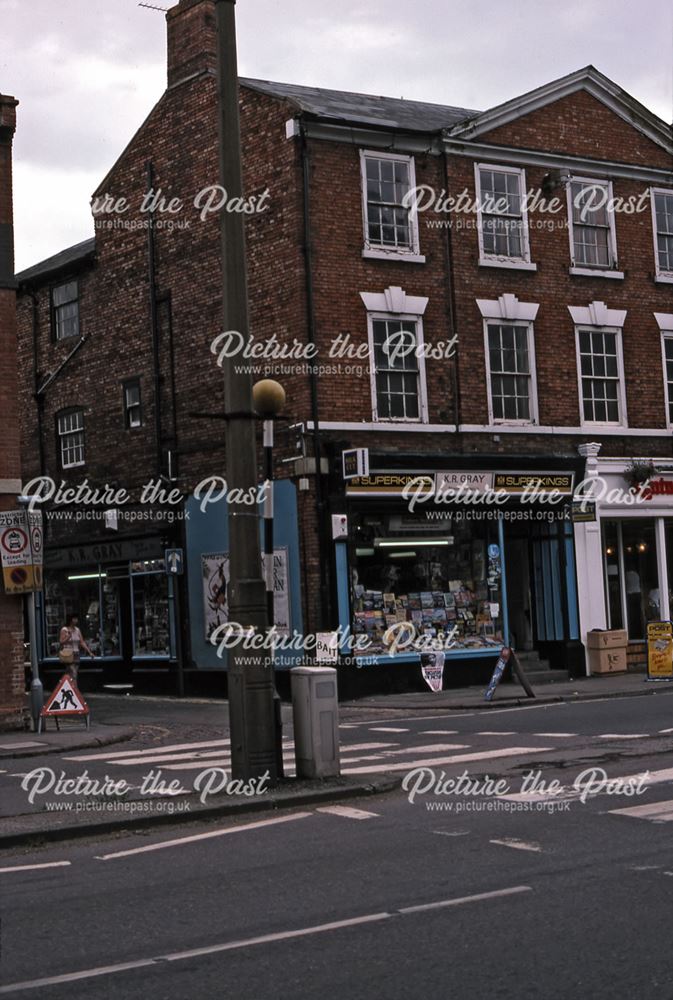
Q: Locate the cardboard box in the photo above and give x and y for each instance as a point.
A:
(607, 640)
(607, 661)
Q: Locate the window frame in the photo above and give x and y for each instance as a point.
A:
(621, 384)
(576, 267)
(501, 260)
(662, 276)
(375, 250)
(126, 385)
(60, 435)
(667, 335)
(422, 417)
(53, 309)
(534, 418)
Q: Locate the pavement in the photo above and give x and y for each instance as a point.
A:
(149, 727)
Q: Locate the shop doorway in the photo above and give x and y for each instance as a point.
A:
(634, 565)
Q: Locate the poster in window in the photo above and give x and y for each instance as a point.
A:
(215, 577)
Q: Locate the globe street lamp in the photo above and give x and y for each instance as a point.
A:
(268, 399)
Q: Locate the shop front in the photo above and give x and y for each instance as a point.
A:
(124, 600)
(463, 560)
(625, 554)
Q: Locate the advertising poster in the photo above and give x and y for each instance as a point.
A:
(215, 577)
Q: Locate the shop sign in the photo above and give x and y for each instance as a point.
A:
(516, 483)
(21, 548)
(583, 511)
(326, 648)
(660, 650)
(432, 668)
(104, 552)
(389, 484)
(355, 462)
(477, 482)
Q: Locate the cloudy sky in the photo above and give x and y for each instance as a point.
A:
(87, 72)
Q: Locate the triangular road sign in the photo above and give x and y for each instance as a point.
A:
(65, 700)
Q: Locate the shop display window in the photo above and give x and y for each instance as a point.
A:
(87, 594)
(151, 632)
(446, 580)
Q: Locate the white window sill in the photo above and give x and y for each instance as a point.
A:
(515, 423)
(401, 421)
(590, 272)
(374, 253)
(519, 265)
(597, 426)
(664, 279)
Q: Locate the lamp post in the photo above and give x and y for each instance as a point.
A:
(268, 399)
(251, 703)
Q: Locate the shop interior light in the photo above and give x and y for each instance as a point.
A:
(88, 576)
(397, 543)
(401, 555)
(364, 552)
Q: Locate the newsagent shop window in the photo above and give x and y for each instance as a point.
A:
(444, 580)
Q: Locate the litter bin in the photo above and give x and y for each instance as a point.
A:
(315, 710)
(607, 651)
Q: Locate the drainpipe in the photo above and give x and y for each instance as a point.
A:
(310, 316)
(154, 325)
(451, 308)
(36, 379)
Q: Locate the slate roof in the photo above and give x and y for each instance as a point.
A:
(364, 109)
(60, 261)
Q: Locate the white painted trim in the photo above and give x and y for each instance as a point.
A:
(664, 322)
(495, 258)
(532, 402)
(507, 307)
(587, 272)
(518, 265)
(666, 334)
(556, 161)
(597, 314)
(587, 79)
(546, 430)
(397, 255)
(580, 268)
(395, 300)
(662, 570)
(416, 319)
(664, 279)
(414, 250)
(621, 383)
(665, 276)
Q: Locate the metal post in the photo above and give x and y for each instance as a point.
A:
(269, 580)
(36, 689)
(251, 706)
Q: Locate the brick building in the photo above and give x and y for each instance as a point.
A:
(534, 344)
(11, 617)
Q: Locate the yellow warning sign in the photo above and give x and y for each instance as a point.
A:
(660, 649)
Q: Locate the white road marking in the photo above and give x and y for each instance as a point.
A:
(467, 899)
(662, 731)
(22, 746)
(223, 758)
(454, 759)
(431, 748)
(558, 736)
(451, 833)
(661, 812)
(439, 732)
(347, 812)
(32, 868)
(215, 949)
(495, 732)
(387, 729)
(150, 750)
(204, 836)
(518, 845)
(568, 793)
(19, 774)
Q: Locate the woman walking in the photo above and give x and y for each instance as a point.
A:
(71, 639)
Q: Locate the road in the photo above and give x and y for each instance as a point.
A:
(550, 896)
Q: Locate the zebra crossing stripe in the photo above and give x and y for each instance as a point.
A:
(657, 812)
(453, 759)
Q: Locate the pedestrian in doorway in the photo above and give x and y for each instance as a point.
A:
(72, 640)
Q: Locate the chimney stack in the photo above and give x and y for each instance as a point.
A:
(7, 129)
(192, 40)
